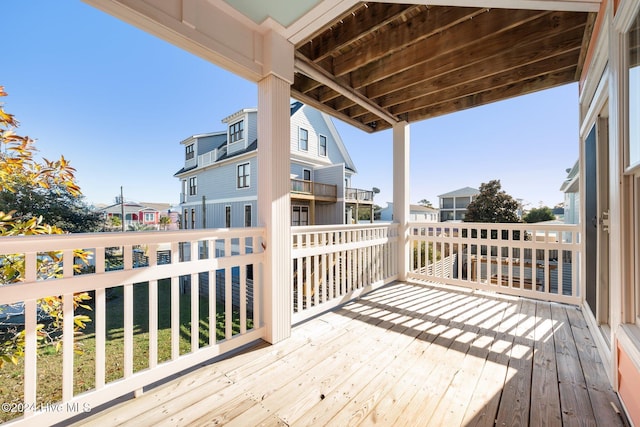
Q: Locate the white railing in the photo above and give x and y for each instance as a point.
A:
(534, 260)
(333, 264)
(130, 273)
(208, 158)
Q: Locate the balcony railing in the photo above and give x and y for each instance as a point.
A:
(533, 260)
(212, 272)
(205, 271)
(357, 195)
(333, 264)
(316, 189)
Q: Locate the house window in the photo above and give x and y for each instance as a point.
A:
(236, 131)
(247, 215)
(633, 74)
(193, 218)
(185, 218)
(244, 175)
(193, 183)
(322, 145)
(227, 216)
(149, 217)
(188, 152)
(299, 215)
(303, 142)
(306, 174)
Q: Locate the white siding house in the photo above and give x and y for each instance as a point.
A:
(571, 189)
(417, 213)
(219, 188)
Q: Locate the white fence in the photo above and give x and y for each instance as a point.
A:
(134, 273)
(534, 260)
(333, 264)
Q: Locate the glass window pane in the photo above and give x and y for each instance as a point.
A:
(633, 40)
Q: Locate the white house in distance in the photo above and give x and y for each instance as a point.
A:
(571, 189)
(453, 205)
(417, 213)
(219, 188)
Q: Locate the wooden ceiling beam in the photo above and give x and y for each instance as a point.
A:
(515, 61)
(364, 20)
(484, 26)
(529, 86)
(547, 26)
(323, 107)
(512, 90)
(396, 36)
(492, 82)
(305, 66)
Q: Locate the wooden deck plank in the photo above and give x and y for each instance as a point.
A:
(367, 319)
(457, 341)
(600, 391)
(545, 396)
(358, 393)
(405, 354)
(515, 402)
(574, 398)
(483, 407)
(451, 409)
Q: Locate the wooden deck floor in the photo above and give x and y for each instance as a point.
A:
(406, 354)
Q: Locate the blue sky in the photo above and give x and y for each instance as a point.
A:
(117, 101)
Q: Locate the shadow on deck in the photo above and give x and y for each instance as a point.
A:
(405, 354)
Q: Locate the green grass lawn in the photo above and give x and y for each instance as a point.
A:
(49, 373)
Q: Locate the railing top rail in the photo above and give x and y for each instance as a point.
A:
(498, 226)
(346, 227)
(57, 242)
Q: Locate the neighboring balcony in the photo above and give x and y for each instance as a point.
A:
(358, 196)
(310, 190)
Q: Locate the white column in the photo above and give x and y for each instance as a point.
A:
(274, 207)
(401, 143)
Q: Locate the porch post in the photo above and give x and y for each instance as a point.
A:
(274, 206)
(401, 143)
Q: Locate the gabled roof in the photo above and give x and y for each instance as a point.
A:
(461, 192)
(348, 162)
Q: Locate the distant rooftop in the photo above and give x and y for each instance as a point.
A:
(462, 192)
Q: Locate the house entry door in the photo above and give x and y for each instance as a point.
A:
(597, 222)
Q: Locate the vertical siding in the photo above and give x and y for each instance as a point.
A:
(331, 213)
(216, 214)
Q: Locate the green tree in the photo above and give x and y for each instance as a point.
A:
(492, 204)
(19, 168)
(539, 214)
(425, 202)
(56, 205)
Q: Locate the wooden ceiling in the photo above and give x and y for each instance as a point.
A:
(380, 63)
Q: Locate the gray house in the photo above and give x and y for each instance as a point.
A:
(453, 205)
(219, 188)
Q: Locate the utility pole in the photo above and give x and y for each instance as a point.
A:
(122, 208)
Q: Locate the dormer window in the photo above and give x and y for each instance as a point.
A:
(189, 152)
(303, 143)
(236, 131)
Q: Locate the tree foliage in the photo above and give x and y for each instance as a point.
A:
(539, 214)
(19, 169)
(425, 202)
(56, 205)
(493, 205)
